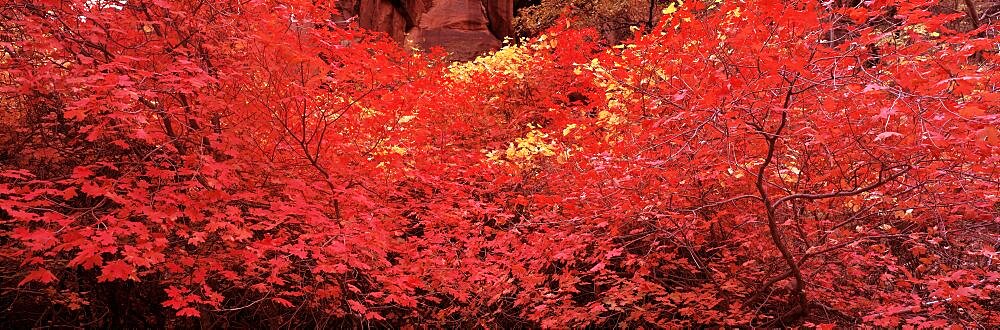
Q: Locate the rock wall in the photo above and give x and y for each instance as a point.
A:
(464, 28)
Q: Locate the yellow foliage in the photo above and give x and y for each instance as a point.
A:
(670, 9)
(531, 145)
(568, 128)
(509, 61)
(524, 150)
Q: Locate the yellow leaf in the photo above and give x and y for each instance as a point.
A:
(670, 9)
(568, 128)
(735, 12)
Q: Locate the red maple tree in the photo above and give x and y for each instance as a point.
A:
(758, 163)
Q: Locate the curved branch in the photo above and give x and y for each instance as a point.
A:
(847, 193)
(772, 221)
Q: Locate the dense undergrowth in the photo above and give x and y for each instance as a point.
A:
(184, 163)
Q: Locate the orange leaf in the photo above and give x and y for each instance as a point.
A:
(971, 111)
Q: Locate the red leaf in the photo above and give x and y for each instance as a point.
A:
(374, 316)
(189, 312)
(886, 135)
(92, 189)
(357, 307)
(81, 172)
(282, 302)
(335, 268)
(40, 275)
(116, 270)
(86, 259)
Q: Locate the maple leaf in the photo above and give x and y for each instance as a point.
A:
(334, 268)
(69, 193)
(39, 238)
(76, 113)
(282, 302)
(357, 306)
(189, 312)
(92, 189)
(374, 316)
(19, 174)
(197, 238)
(116, 270)
(87, 259)
(886, 135)
(276, 279)
(971, 111)
(40, 275)
(177, 298)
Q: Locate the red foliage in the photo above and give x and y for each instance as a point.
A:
(183, 162)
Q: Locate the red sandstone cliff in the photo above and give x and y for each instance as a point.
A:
(464, 28)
